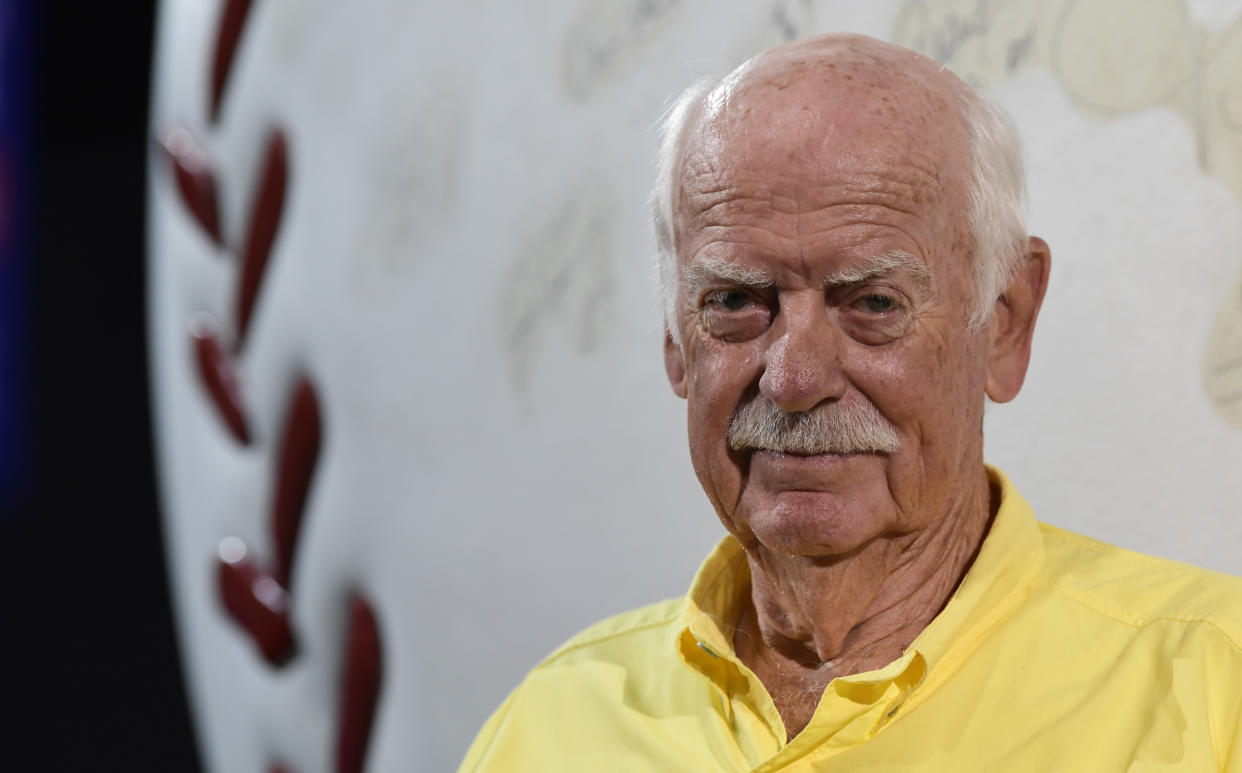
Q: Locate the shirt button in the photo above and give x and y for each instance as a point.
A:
(706, 649)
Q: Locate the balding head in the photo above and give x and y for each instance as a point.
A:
(849, 99)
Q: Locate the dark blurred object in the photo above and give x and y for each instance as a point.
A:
(89, 637)
(16, 119)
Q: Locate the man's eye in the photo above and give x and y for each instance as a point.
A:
(735, 315)
(733, 300)
(877, 317)
(877, 304)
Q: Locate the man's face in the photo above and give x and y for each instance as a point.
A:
(825, 267)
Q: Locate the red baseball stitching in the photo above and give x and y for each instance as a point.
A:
(255, 597)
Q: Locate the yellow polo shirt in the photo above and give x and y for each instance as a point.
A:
(1056, 653)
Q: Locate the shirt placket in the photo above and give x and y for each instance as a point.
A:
(851, 711)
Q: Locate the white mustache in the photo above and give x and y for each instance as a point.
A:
(832, 428)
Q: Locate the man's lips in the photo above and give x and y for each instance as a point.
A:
(784, 471)
(789, 459)
(805, 455)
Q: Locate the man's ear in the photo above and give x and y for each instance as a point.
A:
(674, 365)
(1013, 322)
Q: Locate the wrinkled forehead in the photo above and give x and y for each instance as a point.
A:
(799, 117)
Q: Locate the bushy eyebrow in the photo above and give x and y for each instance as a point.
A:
(703, 271)
(892, 262)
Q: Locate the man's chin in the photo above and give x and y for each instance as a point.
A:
(814, 523)
(816, 504)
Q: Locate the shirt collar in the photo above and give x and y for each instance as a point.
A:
(1008, 561)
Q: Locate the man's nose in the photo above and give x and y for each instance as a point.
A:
(802, 368)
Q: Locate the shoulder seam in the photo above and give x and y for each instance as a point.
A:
(573, 645)
(1052, 531)
(1082, 540)
(1118, 616)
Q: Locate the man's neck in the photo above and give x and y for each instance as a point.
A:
(814, 619)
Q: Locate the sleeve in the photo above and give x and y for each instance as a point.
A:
(1233, 747)
(1225, 675)
(477, 757)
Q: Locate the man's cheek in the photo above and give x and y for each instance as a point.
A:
(711, 381)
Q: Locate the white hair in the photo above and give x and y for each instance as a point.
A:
(839, 427)
(996, 193)
(996, 211)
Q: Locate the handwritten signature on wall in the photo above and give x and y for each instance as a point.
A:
(1114, 58)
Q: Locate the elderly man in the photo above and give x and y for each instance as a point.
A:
(846, 277)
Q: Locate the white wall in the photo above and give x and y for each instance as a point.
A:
(463, 269)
